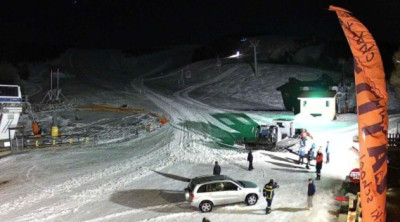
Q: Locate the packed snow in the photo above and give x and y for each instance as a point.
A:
(140, 178)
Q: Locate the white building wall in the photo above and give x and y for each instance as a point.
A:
(9, 119)
(318, 106)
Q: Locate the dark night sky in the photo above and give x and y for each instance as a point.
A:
(154, 23)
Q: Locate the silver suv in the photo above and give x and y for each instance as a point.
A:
(208, 191)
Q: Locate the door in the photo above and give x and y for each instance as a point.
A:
(234, 194)
(217, 193)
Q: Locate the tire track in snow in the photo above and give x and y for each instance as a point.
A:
(109, 175)
(181, 108)
(88, 195)
(69, 195)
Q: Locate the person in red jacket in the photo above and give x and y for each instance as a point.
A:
(319, 160)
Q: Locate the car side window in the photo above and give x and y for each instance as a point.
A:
(208, 188)
(228, 186)
(216, 186)
(202, 188)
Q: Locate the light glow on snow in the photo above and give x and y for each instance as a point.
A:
(122, 181)
(235, 55)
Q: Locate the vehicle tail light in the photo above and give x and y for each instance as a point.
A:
(191, 196)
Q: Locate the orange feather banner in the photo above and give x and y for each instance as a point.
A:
(372, 115)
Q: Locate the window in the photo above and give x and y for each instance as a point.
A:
(216, 187)
(209, 188)
(304, 103)
(229, 186)
(8, 91)
(220, 186)
(327, 103)
(202, 189)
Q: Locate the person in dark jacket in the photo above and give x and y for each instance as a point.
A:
(302, 153)
(309, 158)
(250, 159)
(310, 193)
(318, 166)
(269, 193)
(205, 219)
(217, 169)
(310, 155)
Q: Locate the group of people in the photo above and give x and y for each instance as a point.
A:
(268, 190)
(268, 193)
(311, 152)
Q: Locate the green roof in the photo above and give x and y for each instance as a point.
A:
(317, 94)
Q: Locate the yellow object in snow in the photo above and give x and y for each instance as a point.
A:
(54, 131)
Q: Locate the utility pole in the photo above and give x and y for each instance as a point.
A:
(254, 44)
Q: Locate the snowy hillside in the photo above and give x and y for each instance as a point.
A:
(140, 178)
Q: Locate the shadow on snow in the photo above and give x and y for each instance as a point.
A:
(172, 176)
(152, 199)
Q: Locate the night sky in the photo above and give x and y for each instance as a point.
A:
(158, 23)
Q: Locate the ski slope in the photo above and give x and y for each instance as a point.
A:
(142, 179)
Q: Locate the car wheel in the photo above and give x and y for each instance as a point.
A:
(206, 206)
(251, 199)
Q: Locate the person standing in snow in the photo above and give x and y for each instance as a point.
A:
(313, 148)
(310, 155)
(269, 193)
(310, 193)
(327, 151)
(250, 159)
(303, 136)
(302, 152)
(318, 166)
(217, 169)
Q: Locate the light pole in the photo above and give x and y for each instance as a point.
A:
(254, 44)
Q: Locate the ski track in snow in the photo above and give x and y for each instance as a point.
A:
(66, 197)
(112, 177)
(77, 191)
(182, 108)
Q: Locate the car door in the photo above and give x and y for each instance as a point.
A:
(216, 193)
(226, 193)
(233, 192)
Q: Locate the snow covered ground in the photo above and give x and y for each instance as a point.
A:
(139, 179)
